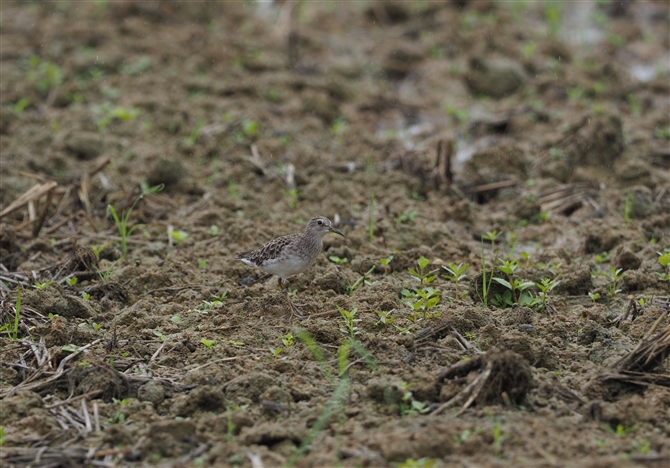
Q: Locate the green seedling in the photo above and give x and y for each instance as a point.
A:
(498, 437)
(237, 344)
(406, 216)
(461, 115)
(44, 74)
(292, 196)
(3, 436)
(122, 221)
(408, 405)
(202, 264)
(385, 261)
(423, 462)
(492, 236)
(175, 319)
(12, 328)
(19, 106)
(350, 321)
(337, 260)
(209, 344)
(545, 287)
(404, 330)
(641, 446)
(603, 257)
(42, 286)
(518, 289)
(421, 274)
(288, 340)
(276, 351)
(230, 435)
(426, 299)
(85, 296)
(486, 282)
(385, 318)
(627, 207)
(456, 275)
(214, 230)
(105, 274)
(195, 133)
(161, 336)
(362, 280)
(71, 281)
(178, 236)
(614, 276)
(250, 127)
(664, 260)
(620, 431)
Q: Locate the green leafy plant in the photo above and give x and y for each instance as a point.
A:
(627, 208)
(276, 351)
(421, 274)
(408, 405)
(499, 437)
(518, 289)
(350, 321)
(209, 344)
(292, 197)
(3, 436)
(85, 296)
(337, 260)
(44, 74)
(620, 431)
(71, 281)
(42, 286)
(492, 236)
(545, 286)
(178, 236)
(288, 340)
(362, 280)
(614, 276)
(406, 216)
(385, 318)
(422, 302)
(195, 133)
(12, 328)
(664, 260)
(122, 221)
(602, 257)
(385, 261)
(456, 275)
(19, 106)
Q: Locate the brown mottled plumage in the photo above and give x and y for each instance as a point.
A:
(290, 255)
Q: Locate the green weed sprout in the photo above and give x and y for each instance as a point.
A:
(424, 277)
(627, 208)
(518, 289)
(385, 261)
(426, 299)
(121, 222)
(664, 260)
(42, 286)
(385, 318)
(456, 274)
(288, 340)
(350, 321)
(492, 236)
(621, 431)
(594, 297)
(12, 329)
(498, 437)
(406, 216)
(3, 436)
(337, 260)
(545, 287)
(486, 282)
(292, 196)
(408, 405)
(71, 281)
(209, 344)
(614, 276)
(341, 386)
(276, 351)
(193, 137)
(363, 279)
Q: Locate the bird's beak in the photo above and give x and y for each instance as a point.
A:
(332, 229)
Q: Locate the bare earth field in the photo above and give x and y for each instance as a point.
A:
(501, 172)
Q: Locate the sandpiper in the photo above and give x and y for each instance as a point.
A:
(290, 255)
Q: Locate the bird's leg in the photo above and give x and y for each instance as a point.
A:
(294, 309)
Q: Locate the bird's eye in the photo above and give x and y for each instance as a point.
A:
(319, 223)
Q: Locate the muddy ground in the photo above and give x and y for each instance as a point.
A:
(473, 132)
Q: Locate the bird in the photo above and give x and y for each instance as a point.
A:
(290, 255)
